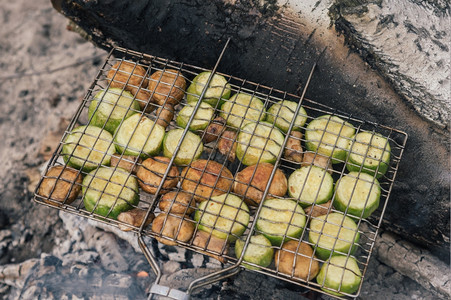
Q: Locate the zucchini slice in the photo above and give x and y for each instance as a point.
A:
(329, 135)
(218, 89)
(88, 147)
(110, 107)
(259, 251)
(109, 192)
(259, 143)
(201, 119)
(225, 216)
(371, 151)
(139, 136)
(242, 109)
(359, 193)
(334, 233)
(190, 149)
(281, 219)
(340, 274)
(310, 185)
(282, 112)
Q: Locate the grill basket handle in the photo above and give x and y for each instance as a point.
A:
(161, 290)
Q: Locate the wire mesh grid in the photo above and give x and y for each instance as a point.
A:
(235, 176)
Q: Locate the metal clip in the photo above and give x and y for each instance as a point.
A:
(168, 292)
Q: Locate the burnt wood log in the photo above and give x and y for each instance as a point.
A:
(408, 42)
(274, 47)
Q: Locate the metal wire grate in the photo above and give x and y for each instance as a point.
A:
(218, 171)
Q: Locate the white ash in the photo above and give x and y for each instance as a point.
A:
(171, 267)
(197, 260)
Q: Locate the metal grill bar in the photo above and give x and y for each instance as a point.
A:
(271, 177)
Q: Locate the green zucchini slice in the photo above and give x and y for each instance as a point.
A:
(310, 185)
(110, 107)
(242, 109)
(259, 143)
(225, 216)
(359, 193)
(108, 192)
(281, 219)
(259, 251)
(334, 233)
(329, 135)
(340, 274)
(371, 151)
(190, 149)
(201, 119)
(282, 113)
(88, 147)
(218, 89)
(139, 136)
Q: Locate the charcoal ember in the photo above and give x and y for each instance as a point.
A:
(16, 274)
(212, 263)
(5, 235)
(170, 267)
(182, 278)
(63, 248)
(115, 249)
(105, 243)
(177, 254)
(197, 260)
(110, 253)
(4, 288)
(4, 220)
(49, 278)
(119, 281)
(248, 285)
(33, 292)
(84, 257)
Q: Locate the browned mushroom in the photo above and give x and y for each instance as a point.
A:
(126, 162)
(125, 74)
(134, 217)
(305, 264)
(177, 202)
(227, 144)
(60, 183)
(317, 159)
(211, 243)
(252, 186)
(165, 114)
(151, 172)
(293, 148)
(214, 130)
(206, 178)
(170, 228)
(167, 87)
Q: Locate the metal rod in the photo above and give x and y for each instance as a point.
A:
(149, 255)
(271, 177)
(177, 148)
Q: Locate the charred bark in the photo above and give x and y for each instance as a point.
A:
(408, 42)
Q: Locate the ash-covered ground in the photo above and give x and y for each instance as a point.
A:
(45, 71)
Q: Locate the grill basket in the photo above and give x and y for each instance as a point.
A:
(149, 204)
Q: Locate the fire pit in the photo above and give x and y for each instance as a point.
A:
(275, 46)
(219, 219)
